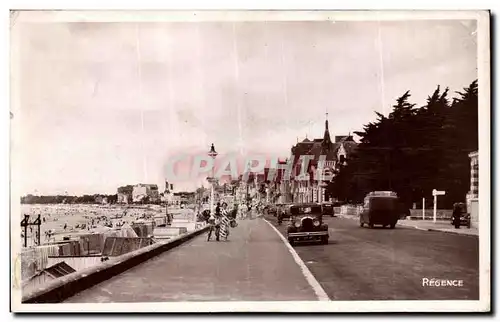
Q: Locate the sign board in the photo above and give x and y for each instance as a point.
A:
(438, 193)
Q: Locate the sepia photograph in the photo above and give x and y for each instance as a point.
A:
(250, 161)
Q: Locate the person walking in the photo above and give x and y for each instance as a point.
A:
(215, 221)
(234, 212)
(241, 211)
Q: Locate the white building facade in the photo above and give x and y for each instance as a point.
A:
(472, 197)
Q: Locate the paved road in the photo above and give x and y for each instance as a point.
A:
(253, 265)
(389, 264)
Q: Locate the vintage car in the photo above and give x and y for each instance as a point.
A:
(306, 224)
(272, 209)
(465, 219)
(327, 209)
(380, 208)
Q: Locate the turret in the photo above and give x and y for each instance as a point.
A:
(327, 142)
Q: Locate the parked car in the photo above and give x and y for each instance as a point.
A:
(327, 209)
(272, 209)
(464, 216)
(380, 208)
(307, 224)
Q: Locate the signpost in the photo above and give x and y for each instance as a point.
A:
(436, 193)
(423, 208)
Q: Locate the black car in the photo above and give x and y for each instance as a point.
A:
(464, 216)
(328, 209)
(271, 209)
(307, 224)
(380, 208)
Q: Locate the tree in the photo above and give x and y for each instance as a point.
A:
(413, 151)
(428, 145)
(460, 135)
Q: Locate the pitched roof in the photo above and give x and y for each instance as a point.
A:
(317, 148)
(60, 269)
(300, 149)
(125, 189)
(339, 138)
(349, 144)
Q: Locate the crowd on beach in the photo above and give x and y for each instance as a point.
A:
(58, 221)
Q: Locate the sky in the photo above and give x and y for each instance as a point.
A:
(107, 104)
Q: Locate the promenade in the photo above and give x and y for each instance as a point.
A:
(253, 265)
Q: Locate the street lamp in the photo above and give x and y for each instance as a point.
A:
(213, 154)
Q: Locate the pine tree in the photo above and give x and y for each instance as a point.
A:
(428, 146)
(460, 136)
(413, 151)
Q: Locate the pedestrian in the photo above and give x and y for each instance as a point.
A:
(214, 222)
(225, 222)
(206, 215)
(217, 209)
(244, 211)
(234, 212)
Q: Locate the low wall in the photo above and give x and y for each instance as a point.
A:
(416, 214)
(69, 285)
(441, 214)
(348, 210)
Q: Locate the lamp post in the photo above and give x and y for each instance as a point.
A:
(213, 154)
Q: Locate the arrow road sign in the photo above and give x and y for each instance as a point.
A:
(438, 193)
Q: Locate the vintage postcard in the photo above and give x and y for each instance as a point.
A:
(250, 161)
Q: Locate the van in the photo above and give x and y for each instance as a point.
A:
(380, 208)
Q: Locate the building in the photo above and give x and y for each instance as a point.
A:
(267, 186)
(272, 185)
(472, 197)
(102, 200)
(183, 198)
(145, 193)
(283, 183)
(124, 194)
(325, 157)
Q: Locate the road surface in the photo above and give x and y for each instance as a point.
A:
(256, 265)
(389, 264)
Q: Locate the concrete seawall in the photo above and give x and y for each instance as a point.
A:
(69, 285)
